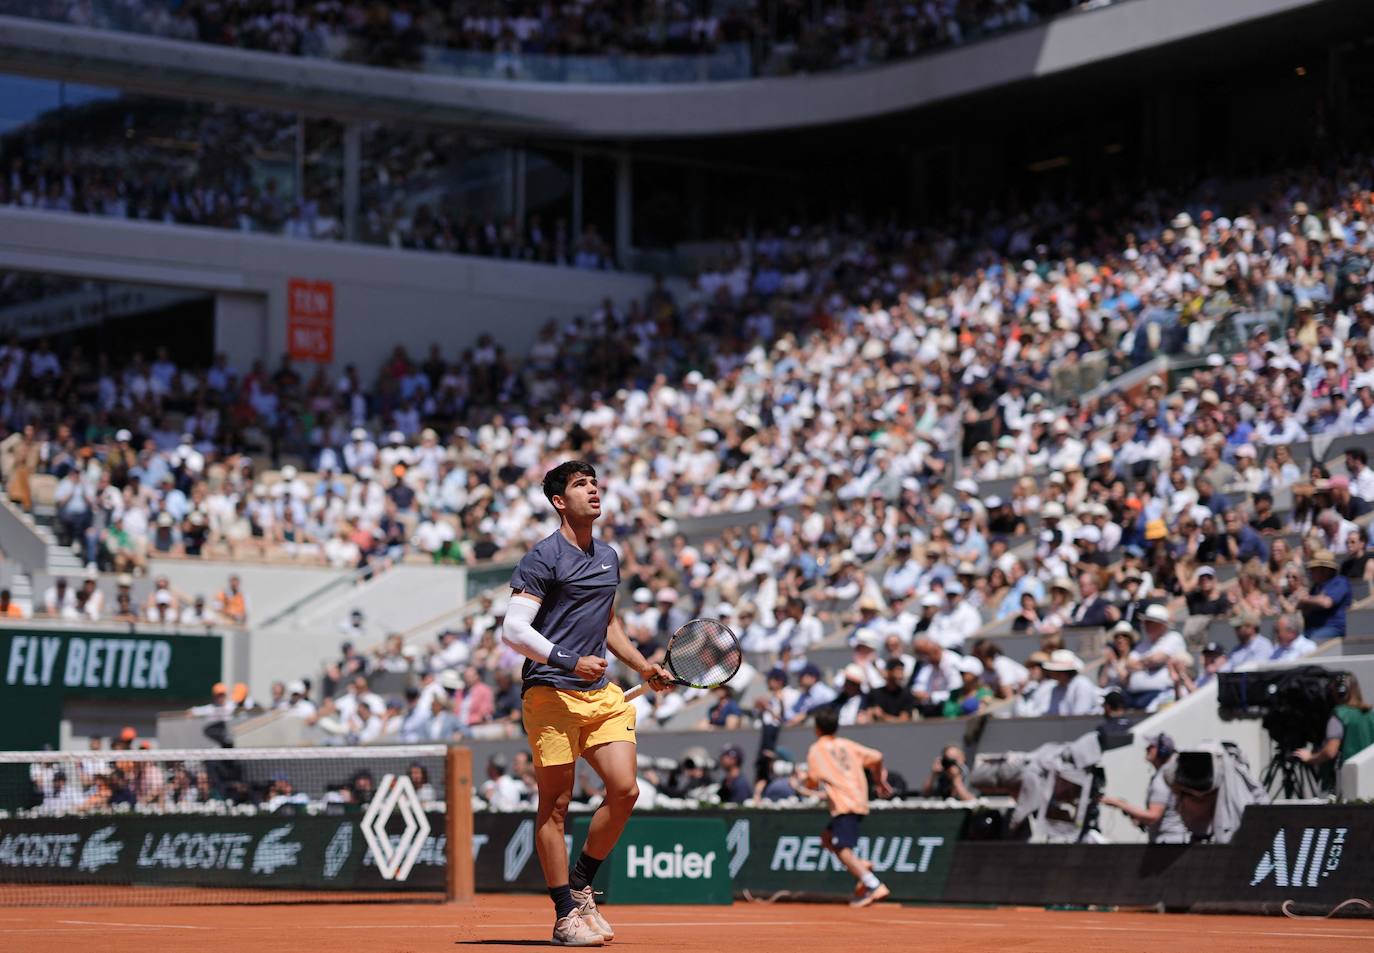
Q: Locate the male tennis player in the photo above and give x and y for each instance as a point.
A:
(562, 619)
(839, 767)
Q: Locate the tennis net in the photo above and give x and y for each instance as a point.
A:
(235, 825)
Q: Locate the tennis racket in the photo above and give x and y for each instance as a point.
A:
(704, 653)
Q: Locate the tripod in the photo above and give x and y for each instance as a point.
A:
(1287, 778)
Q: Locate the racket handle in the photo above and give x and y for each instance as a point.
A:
(635, 692)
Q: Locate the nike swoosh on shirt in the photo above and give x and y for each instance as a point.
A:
(605, 567)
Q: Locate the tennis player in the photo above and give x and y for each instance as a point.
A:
(839, 768)
(562, 619)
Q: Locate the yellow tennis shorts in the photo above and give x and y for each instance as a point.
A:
(562, 724)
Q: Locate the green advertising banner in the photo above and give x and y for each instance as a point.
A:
(678, 858)
(304, 852)
(39, 668)
(663, 857)
(774, 851)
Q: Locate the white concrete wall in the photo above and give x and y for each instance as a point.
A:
(396, 601)
(381, 297)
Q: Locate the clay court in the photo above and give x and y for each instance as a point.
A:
(519, 922)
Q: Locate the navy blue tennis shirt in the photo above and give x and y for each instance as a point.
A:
(578, 593)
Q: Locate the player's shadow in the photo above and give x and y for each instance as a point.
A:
(502, 943)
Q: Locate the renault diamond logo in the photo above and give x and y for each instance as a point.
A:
(395, 860)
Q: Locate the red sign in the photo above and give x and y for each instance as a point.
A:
(310, 320)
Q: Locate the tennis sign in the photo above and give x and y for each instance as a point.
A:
(666, 860)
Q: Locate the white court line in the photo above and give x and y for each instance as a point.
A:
(677, 923)
(146, 926)
(1146, 929)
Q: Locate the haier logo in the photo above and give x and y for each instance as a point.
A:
(665, 865)
(1318, 854)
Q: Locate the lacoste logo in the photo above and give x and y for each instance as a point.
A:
(98, 850)
(274, 851)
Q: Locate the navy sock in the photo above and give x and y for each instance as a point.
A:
(585, 871)
(562, 900)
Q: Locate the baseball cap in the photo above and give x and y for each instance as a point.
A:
(1213, 648)
(128, 733)
(810, 668)
(219, 688)
(1205, 571)
(295, 688)
(777, 675)
(642, 594)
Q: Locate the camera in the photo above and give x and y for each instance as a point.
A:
(947, 762)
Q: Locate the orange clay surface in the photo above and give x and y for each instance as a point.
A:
(523, 922)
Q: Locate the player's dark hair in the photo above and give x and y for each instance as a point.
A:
(556, 480)
(827, 720)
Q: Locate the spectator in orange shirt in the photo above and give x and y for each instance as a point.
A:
(232, 604)
(839, 767)
(8, 609)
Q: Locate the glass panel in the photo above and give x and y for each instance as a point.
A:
(637, 42)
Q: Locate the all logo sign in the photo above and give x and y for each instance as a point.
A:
(1317, 854)
(395, 858)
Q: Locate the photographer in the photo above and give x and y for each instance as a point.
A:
(1159, 818)
(947, 776)
(1349, 730)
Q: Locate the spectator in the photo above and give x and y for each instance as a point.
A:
(938, 676)
(734, 788)
(1324, 605)
(725, 712)
(220, 706)
(298, 705)
(947, 779)
(1289, 641)
(956, 622)
(1065, 689)
(503, 790)
(1149, 680)
(231, 603)
(1002, 673)
(891, 701)
(811, 694)
(1251, 647)
(8, 608)
(477, 703)
(59, 600)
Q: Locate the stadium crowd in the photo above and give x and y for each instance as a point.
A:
(157, 160)
(831, 379)
(784, 38)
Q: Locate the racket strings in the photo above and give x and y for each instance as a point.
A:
(705, 653)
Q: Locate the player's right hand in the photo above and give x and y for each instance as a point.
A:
(590, 668)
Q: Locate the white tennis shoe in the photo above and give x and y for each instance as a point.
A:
(586, 905)
(573, 930)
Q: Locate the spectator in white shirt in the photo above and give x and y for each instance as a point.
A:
(1289, 643)
(938, 675)
(1065, 689)
(59, 600)
(811, 693)
(957, 622)
(1150, 680)
(1361, 476)
(297, 705)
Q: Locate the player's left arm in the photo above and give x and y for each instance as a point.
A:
(872, 760)
(624, 649)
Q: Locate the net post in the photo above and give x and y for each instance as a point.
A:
(458, 823)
